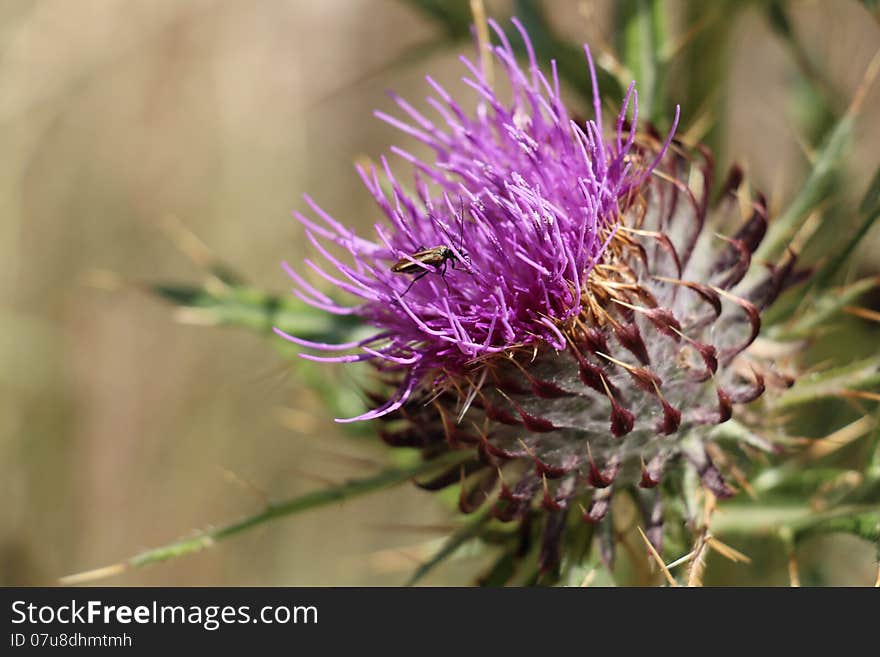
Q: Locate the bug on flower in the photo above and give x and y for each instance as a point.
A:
(438, 257)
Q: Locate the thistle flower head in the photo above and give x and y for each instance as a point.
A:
(494, 249)
(559, 296)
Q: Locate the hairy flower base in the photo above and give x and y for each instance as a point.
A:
(659, 352)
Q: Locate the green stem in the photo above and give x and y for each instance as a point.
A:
(313, 500)
(748, 519)
(452, 544)
(643, 43)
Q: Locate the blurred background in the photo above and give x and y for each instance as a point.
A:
(140, 139)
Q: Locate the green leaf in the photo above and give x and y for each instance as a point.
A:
(864, 525)
(757, 519)
(705, 65)
(642, 30)
(861, 375)
(812, 193)
(869, 211)
(822, 308)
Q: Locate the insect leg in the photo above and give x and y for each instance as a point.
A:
(443, 276)
(415, 280)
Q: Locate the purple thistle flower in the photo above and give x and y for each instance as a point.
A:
(518, 206)
(554, 296)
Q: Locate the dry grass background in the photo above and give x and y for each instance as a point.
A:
(121, 429)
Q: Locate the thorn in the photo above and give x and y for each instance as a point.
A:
(794, 577)
(707, 293)
(669, 578)
(631, 339)
(754, 321)
(863, 313)
(472, 394)
(603, 479)
(671, 415)
(642, 376)
(622, 421)
(543, 389)
(726, 551)
(698, 561)
(530, 422)
(259, 493)
(591, 575)
(865, 85)
(92, 575)
(725, 405)
(651, 472)
(542, 467)
(861, 394)
(841, 437)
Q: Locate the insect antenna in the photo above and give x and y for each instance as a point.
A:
(460, 253)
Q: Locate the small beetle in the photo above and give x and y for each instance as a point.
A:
(438, 257)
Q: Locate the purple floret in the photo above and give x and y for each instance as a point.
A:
(525, 200)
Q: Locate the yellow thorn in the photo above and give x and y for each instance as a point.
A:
(615, 361)
(237, 480)
(839, 438)
(861, 394)
(864, 313)
(186, 241)
(726, 551)
(658, 559)
(589, 577)
(793, 575)
(523, 443)
(92, 575)
(865, 85)
(698, 563)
